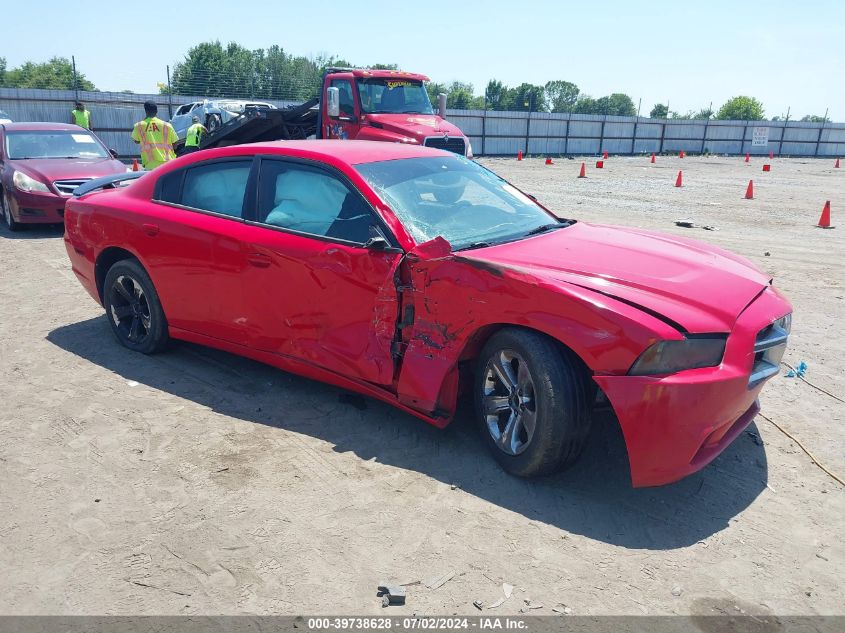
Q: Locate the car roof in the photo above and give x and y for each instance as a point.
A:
(41, 127)
(350, 152)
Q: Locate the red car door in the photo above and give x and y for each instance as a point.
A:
(193, 248)
(314, 291)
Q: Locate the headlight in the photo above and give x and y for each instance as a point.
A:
(25, 183)
(784, 323)
(668, 357)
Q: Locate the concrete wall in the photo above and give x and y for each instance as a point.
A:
(491, 133)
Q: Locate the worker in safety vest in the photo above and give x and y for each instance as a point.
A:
(194, 135)
(155, 137)
(80, 116)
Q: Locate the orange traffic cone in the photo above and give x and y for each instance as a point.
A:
(679, 181)
(604, 155)
(549, 161)
(748, 158)
(836, 164)
(652, 157)
(749, 193)
(682, 154)
(134, 164)
(767, 167)
(599, 164)
(583, 173)
(771, 154)
(519, 155)
(824, 220)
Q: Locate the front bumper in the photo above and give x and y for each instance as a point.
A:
(37, 208)
(675, 425)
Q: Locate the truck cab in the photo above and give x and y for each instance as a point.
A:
(385, 105)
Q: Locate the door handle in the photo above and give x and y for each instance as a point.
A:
(259, 260)
(150, 229)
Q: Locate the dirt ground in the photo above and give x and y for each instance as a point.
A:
(195, 482)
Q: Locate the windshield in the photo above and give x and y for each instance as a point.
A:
(53, 144)
(456, 199)
(393, 96)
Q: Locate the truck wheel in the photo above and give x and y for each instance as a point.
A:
(133, 308)
(212, 122)
(532, 402)
(6, 209)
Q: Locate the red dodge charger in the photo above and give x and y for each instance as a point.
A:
(410, 274)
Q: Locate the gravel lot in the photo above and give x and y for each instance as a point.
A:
(195, 482)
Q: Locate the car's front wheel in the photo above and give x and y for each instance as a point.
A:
(533, 402)
(213, 121)
(133, 308)
(6, 209)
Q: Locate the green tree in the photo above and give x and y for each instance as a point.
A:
(813, 118)
(56, 74)
(741, 109)
(586, 105)
(496, 94)
(2, 71)
(659, 111)
(527, 97)
(210, 69)
(561, 95)
(385, 67)
(459, 96)
(617, 104)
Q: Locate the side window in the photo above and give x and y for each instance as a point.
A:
(169, 187)
(183, 110)
(219, 187)
(347, 105)
(309, 200)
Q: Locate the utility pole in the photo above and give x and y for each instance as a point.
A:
(169, 94)
(75, 82)
(706, 125)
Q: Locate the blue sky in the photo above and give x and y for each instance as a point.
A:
(783, 53)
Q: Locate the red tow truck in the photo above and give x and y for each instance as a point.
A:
(363, 104)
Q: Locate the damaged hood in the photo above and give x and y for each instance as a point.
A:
(697, 286)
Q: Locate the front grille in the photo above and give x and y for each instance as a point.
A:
(769, 347)
(67, 187)
(449, 143)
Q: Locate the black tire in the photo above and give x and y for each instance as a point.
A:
(212, 122)
(6, 212)
(133, 308)
(556, 396)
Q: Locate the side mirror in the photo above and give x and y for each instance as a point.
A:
(333, 102)
(113, 153)
(441, 105)
(377, 243)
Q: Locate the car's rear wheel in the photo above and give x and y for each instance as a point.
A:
(133, 308)
(6, 209)
(532, 402)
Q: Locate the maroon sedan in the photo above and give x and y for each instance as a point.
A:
(40, 166)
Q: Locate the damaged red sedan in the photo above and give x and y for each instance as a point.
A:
(410, 274)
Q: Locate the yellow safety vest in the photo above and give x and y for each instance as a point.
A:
(192, 137)
(156, 138)
(82, 119)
